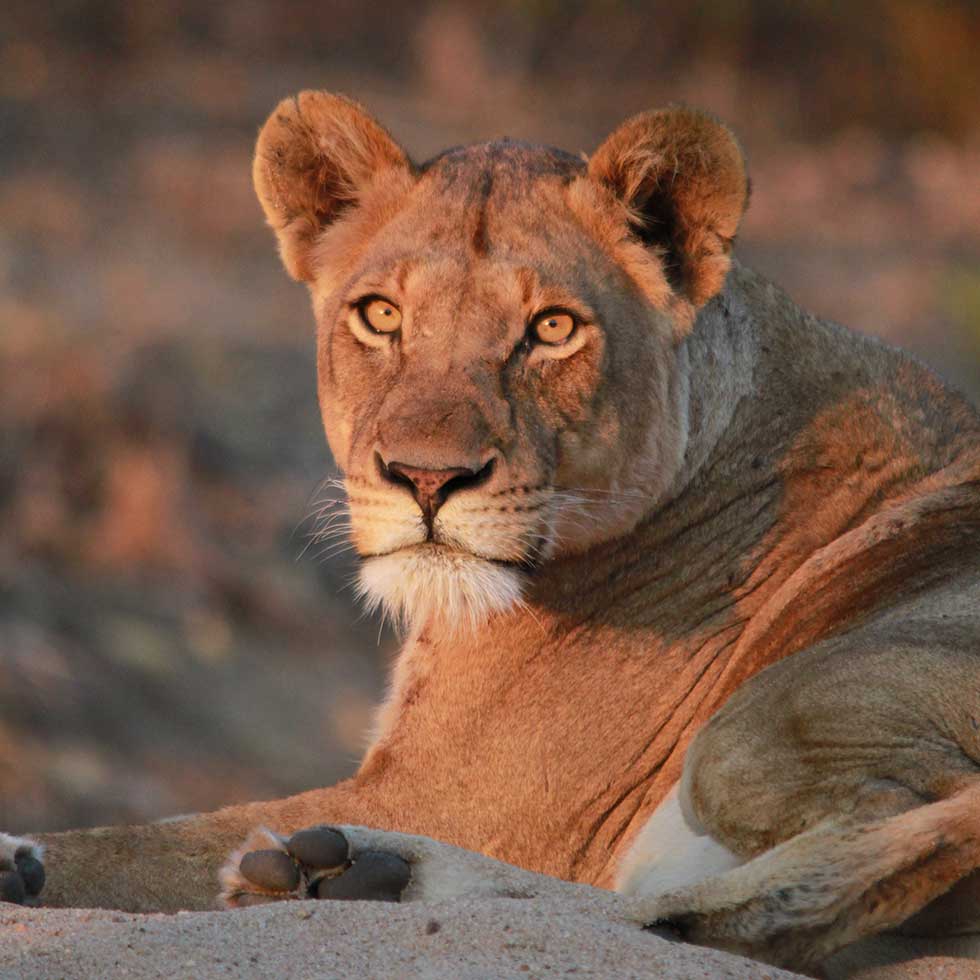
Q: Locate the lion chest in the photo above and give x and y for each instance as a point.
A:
(544, 750)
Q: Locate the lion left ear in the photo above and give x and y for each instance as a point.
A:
(682, 178)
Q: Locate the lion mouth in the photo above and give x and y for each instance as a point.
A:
(437, 549)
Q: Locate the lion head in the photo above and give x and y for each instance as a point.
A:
(500, 335)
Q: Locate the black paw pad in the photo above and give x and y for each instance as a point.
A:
(375, 876)
(319, 848)
(32, 871)
(12, 888)
(272, 870)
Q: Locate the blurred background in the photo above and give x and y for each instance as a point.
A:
(168, 640)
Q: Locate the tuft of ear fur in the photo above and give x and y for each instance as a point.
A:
(682, 178)
(316, 156)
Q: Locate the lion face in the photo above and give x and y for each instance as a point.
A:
(523, 365)
(498, 335)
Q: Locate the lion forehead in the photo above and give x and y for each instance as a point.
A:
(521, 162)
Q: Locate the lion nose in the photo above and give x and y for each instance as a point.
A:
(431, 488)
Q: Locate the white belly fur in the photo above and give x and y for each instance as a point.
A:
(669, 853)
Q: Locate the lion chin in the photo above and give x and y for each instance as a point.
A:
(435, 584)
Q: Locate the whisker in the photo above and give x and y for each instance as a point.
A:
(524, 606)
(332, 537)
(329, 554)
(327, 523)
(614, 493)
(324, 506)
(313, 500)
(334, 520)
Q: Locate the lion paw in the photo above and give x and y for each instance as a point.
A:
(319, 862)
(21, 870)
(357, 863)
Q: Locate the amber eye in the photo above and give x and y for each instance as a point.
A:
(380, 315)
(553, 328)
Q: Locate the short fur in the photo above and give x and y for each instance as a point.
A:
(703, 482)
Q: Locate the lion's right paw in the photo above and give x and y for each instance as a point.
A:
(346, 863)
(21, 870)
(315, 863)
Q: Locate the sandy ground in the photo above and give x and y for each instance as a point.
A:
(584, 937)
(581, 935)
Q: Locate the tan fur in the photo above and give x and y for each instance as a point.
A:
(705, 482)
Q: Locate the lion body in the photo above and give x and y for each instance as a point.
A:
(689, 606)
(694, 506)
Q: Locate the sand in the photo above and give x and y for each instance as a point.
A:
(582, 935)
(472, 938)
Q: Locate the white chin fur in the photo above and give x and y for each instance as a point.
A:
(416, 585)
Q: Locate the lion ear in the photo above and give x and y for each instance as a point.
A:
(682, 178)
(315, 157)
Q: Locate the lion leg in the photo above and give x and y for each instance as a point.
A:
(844, 781)
(827, 887)
(174, 864)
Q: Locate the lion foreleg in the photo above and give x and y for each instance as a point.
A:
(174, 864)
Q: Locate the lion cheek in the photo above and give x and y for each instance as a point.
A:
(587, 458)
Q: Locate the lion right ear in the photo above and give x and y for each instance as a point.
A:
(316, 156)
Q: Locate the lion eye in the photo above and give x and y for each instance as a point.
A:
(381, 315)
(553, 328)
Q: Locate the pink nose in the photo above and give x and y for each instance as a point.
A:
(431, 488)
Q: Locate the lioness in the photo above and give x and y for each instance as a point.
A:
(689, 577)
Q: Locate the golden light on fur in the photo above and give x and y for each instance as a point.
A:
(338, 151)
(510, 349)
(750, 538)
